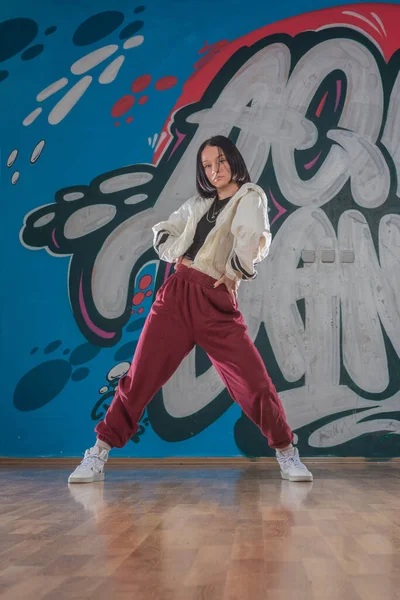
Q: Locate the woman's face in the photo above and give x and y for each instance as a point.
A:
(216, 167)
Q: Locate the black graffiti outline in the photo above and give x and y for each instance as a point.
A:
(82, 263)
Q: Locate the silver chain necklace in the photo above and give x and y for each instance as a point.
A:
(214, 211)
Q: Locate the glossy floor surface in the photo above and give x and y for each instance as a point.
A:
(185, 533)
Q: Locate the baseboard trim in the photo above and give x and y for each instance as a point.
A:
(127, 462)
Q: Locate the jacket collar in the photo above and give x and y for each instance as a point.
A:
(249, 187)
(242, 191)
(200, 208)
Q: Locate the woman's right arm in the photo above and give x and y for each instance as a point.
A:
(167, 232)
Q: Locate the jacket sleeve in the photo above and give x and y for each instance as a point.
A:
(167, 232)
(252, 235)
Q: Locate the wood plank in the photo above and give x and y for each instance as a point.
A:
(216, 532)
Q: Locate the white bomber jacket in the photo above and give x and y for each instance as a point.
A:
(240, 238)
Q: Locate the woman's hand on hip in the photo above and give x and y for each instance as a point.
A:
(178, 262)
(230, 284)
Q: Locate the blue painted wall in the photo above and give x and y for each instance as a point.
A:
(58, 374)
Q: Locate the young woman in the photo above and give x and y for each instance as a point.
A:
(215, 238)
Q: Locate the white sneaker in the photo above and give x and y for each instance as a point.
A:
(291, 466)
(91, 468)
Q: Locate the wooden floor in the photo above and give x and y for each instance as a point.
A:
(220, 533)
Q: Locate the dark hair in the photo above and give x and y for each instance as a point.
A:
(238, 167)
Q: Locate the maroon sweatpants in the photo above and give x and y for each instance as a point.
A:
(188, 311)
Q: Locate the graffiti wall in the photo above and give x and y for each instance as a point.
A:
(103, 109)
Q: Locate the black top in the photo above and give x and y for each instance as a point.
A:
(204, 226)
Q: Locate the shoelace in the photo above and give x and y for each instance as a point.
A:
(294, 461)
(91, 458)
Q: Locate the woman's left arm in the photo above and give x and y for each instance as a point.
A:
(250, 228)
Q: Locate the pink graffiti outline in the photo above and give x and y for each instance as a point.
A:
(312, 162)
(281, 210)
(338, 93)
(53, 237)
(88, 321)
(181, 137)
(321, 105)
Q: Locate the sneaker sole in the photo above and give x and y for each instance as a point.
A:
(98, 477)
(297, 477)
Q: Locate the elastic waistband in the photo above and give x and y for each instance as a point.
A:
(194, 275)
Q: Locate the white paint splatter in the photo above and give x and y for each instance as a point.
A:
(32, 117)
(110, 73)
(44, 220)
(52, 89)
(160, 141)
(124, 182)
(37, 151)
(350, 13)
(73, 196)
(12, 158)
(135, 199)
(379, 20)
(66, 104)
(91, 60)
(133, 42)
(153, 141)
(118, 371)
